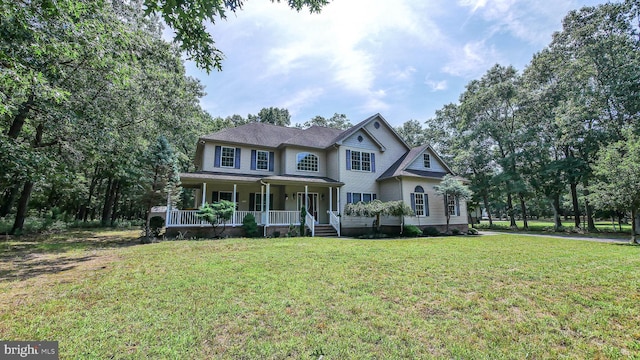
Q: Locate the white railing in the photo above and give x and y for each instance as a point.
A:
(178, 218)
(184, 218)
(238, 217)
(284, 217)
(310, 222)
(334, 220)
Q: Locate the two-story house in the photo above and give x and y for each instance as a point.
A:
(274, 171)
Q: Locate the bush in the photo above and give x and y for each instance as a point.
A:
(156, 223)
(472, 231)
(250, 226)
(430, 231)
(411, 231)
(276, 234)
(293, 231)
(455, 231)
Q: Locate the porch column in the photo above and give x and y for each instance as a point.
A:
(204, 193)
(330, 200)
(267, 206)
(167, 219)
(338, 200)
(306, 198)
(233, 198)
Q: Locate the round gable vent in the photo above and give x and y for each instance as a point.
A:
(376, 125)
(360, 138)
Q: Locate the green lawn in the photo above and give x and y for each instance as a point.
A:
(605, 229)
(501, 296)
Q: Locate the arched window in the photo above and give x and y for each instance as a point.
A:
(307, 162)
(420, 201)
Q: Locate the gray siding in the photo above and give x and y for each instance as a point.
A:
(418, 163)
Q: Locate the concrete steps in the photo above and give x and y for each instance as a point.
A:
(325, 231)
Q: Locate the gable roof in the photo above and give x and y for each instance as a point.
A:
(361, 126)
(399, 168)
(274, 136)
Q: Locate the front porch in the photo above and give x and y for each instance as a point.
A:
(274, 201)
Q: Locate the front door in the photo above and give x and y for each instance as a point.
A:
(310, 202)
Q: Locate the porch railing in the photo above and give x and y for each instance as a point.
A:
(178, 218)
(184, 218)
(238, 217)
(284, 217)
(310, 222)
(334, 220)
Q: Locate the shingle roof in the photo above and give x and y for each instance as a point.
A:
(199, 176)
(255, 133)
(399, 168)
(273, 136)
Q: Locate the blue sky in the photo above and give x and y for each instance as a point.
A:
(404, 58)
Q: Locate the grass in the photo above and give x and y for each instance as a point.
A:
(501, 296)
(605, 229)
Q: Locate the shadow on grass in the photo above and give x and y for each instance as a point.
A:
(30, 256)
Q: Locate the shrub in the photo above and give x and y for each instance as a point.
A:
(293, 231)
(455, 231)
(430, 231)
(250, 226)
(156, 223)
(303, 219)
(411, 231)
(472, 231)
(276, 234)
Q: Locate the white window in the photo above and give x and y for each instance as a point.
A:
(307, 162)
(420, 201)
(360, 161)
(228, 157)
(453, 206)
(262, 160)
(357, 197)
(427, 160)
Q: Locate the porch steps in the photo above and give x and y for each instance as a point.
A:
(325, 231)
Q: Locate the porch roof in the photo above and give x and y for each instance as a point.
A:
(196, 178)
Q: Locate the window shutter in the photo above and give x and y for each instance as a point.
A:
(272, 159)
(413, 202)
(374, 196)
(218, 155)
(252, 201)
(446, 204)
(373, 162)
(271, 201)
(237, 158)
(215, 197)
(349, 196)
(457, 207)
(348, 161)
(253, 159)
(426, 205)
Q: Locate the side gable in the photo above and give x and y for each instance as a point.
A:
(430, 162)
(412, 164)
(378, 129)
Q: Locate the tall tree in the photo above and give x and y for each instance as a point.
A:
(337, 121)
(452, 188)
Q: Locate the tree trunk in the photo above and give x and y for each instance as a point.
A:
(8, 199)
(591, 225)
(485, 200)
(107, 208)
(576, 205)
(557, 222)
(512, 216)
(114, 215)
(20, 118)
(523, 206)
(634, 225)
(23, 205)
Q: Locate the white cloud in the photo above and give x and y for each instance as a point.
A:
(472, 59)
(404, 74)
(436, 85)
(302, 99)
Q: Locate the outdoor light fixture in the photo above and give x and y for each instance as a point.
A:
(286, 197)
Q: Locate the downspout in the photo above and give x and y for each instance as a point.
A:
(401, 198)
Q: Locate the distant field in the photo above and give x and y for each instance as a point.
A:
(500, 296)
